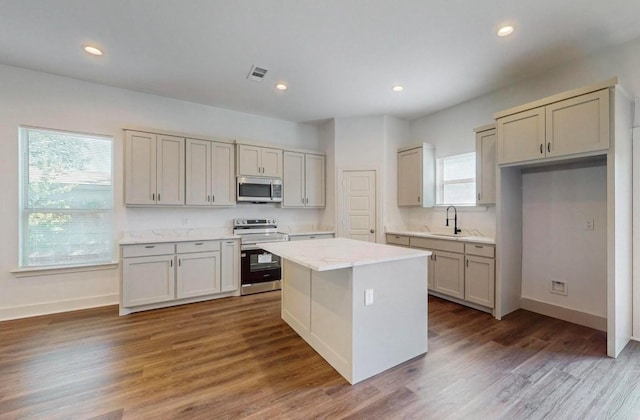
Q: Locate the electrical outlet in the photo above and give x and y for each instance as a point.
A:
(558, 287)
(368, 297)
(588, 224)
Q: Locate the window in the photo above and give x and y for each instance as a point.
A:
(66, 203)
(456, 179)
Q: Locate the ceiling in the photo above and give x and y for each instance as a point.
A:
(339, 57)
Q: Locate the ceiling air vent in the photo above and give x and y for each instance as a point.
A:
(257, 73)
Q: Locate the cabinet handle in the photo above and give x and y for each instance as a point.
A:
(478, 196)
(158, 196)
(198, 243)
(467, 263)
(307, 202)
(549, 147)
(434, 257)
(478, 246)
(150, 246)
(153, 197)
(171, 262)
(208, 199)
(213, 198)
(228, 242)
(541, 151)
(312, 237)
(418, 199)
(397, 237)
(302, 199)
(179, 262)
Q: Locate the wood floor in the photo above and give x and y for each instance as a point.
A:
(235, 358)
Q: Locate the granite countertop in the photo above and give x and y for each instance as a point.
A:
(336, 253)
(462, 237)
(176, 235)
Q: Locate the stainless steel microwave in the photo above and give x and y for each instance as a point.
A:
(259, 190)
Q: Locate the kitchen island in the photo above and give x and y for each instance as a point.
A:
(362, 306)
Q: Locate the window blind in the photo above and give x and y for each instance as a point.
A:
(66, 215)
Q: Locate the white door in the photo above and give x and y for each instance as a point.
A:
(198, 274)
(271, 162)
(198, 173)
(170, 183)
(293, 180)
(359, 205)
(140, 168)
(314, 180)
(223, 183)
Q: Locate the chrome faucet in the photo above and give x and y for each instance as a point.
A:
(455, 220)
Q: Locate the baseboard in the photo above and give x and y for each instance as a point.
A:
(565, 314)
(57, 307)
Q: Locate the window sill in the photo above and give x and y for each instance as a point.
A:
(62, 269)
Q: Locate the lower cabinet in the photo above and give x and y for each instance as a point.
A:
(307, 237)
(166, 274)
(462, 270)
(448, 273)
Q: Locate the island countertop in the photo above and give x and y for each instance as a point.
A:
(337, 253)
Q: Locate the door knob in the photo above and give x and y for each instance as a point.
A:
(372, 231)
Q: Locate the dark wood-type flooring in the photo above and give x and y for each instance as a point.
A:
(235, 358)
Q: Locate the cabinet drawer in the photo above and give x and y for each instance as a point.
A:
(398, 240)
(146, 250)
(308, 237)
(480, 250)
(438, 244)
(197, 246)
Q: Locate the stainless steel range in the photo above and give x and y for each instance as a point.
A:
(260, 270)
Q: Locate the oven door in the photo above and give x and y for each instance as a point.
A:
(259, 266)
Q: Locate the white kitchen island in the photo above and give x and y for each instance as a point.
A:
(362, 306)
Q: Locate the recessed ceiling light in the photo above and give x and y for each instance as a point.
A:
(281, 86)
(505, 30)
(93, 50)
(397, 88)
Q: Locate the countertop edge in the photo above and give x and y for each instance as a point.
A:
(174, 240)
(474, 239)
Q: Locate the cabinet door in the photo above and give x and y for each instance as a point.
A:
(410, 177)
(140, 168)
(170, 171)
(198, 172)
(521, 136)
(314, 180)
(480, 280)
(223, 190)
(249, 160)
(448, 273)
(230, 266)
(271, 162)
(198, 274)
(293, 180)
(147, 280)
(486, 167)
(430, 273)
(578, 125)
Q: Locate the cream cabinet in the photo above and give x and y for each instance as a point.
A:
(486, 165)
(210, 177)
(457, 269)
(154, 169)
(229, 266)
(259, 161)
(304, 180)
(166, 274)
(310, 237)
(198, 270)
(479, 274)
(416, 176)
(150, 271)
(568, 127)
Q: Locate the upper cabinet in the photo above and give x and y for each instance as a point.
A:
(154, 169)
(486, 164)
(259, 161)
(304, 180)
(568, 127)
(210, 173)
(416, 176)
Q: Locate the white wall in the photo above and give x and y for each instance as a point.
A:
(44, 100)
(556, 203)
(451, 130)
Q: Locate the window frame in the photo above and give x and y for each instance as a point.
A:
(23, 165)
(441, 183)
